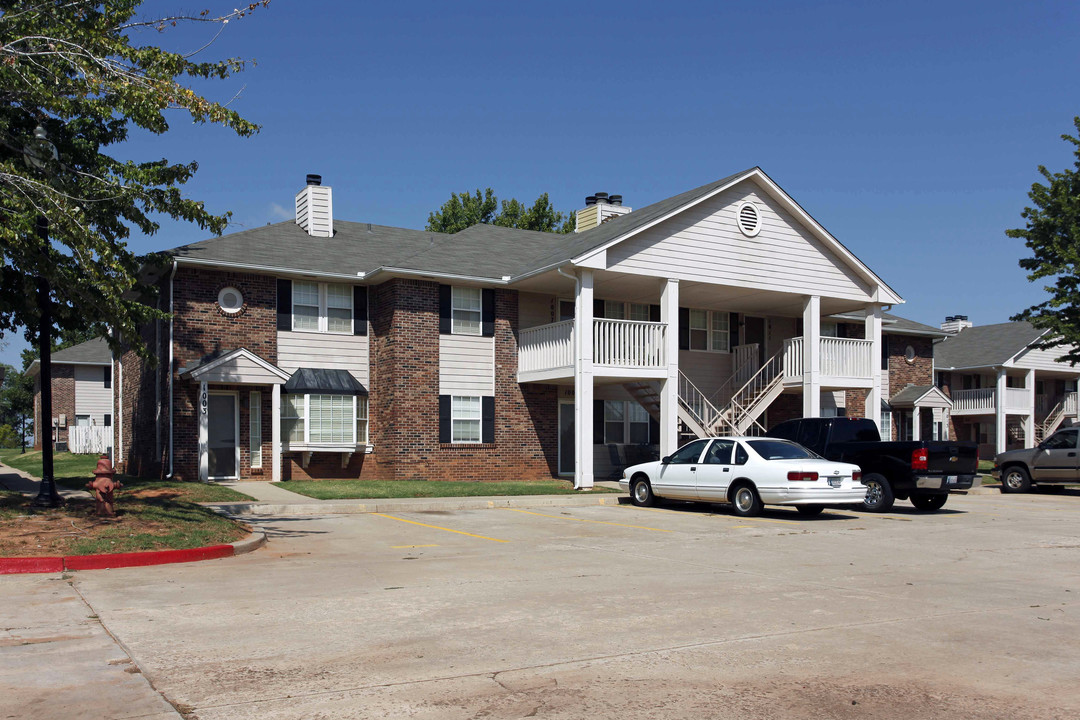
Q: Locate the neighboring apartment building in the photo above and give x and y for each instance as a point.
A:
(82, 397)
(1006, 394)
(321, 348)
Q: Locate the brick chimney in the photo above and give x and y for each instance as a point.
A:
(600, 208)
(315, 208)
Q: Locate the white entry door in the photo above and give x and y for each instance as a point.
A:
(222, 430)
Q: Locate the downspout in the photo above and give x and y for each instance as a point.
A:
(577, 293)
(171, 276)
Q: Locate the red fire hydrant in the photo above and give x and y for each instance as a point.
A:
(104, 486)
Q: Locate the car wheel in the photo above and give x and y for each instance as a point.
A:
(1015, 479)
(929, 503)
(810, 510)
(879, 495)
(745, 501)
(641, 493)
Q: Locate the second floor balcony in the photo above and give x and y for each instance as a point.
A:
(1018, 401)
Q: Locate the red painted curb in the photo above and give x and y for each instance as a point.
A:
(154, 557)
(12, 566)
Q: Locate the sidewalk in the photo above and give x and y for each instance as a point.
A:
(25, 483)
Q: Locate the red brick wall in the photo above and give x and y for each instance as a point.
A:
(63, 403)
(788, 406)
(855, 403)
(901, 372)
(405, 396)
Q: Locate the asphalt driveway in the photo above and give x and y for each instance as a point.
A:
(620, 612)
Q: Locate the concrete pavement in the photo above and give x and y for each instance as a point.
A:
(23, 482)
(619, 612)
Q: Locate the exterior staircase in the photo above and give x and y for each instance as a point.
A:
(1051, 423)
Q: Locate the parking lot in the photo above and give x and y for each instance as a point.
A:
(617, 611)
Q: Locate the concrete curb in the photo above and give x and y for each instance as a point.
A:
(20, 565)
(351, 507)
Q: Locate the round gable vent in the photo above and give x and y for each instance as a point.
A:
(749, 219)
(230, 300)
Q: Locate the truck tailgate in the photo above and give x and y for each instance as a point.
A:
(952, 458)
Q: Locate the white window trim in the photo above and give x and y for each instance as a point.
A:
(626, 422)
(454, 309)
(454, 418)
(324, 318)
(307, 443)
(255, 429)
(710, 331)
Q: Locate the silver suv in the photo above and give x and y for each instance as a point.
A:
(1052, 464)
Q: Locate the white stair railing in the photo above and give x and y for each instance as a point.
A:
(695, 403)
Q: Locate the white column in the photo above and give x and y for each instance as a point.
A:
(583, 382)
(916, 423)
(204, 434)
(1029, 419)
(873, 334)
(669, 392)
(1001, 419)
(275, 433)
(812, 357)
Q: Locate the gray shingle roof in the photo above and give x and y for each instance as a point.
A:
(910, 394)
(486, 251)
(984, 345)
(92, 351)
(901, 326)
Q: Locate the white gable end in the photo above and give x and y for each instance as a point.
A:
(704, 244)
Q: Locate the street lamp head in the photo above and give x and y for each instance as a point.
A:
(38, 153)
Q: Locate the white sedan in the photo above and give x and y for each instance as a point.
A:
(748, 472)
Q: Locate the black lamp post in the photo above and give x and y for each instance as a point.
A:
(38, 156)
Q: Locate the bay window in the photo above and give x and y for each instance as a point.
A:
(315, 419)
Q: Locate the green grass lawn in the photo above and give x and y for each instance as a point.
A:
(985, 466)
(343, 489)
(74, 471)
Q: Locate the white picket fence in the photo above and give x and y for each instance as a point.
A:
(85, 439)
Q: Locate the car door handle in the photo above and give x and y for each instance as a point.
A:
(693, 469)
(726, 469)
(1072, 454)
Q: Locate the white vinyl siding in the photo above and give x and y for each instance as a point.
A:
(92, 398)
(704, 244)
(240, 370)
(466, 365)
(708, 371)
(255, 428)
(322, 307)
(1042, 359)
(535, 309)
(465, 416)
(332, 352)
(465, 310)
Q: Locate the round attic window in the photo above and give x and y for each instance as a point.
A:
(230, 300)
(748, 218)
(909, 354)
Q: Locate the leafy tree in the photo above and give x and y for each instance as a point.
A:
(1053, 235)
(17, 400)
(465, 210)
(76, 70)
(8, 437)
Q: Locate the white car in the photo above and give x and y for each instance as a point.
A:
(748, 472)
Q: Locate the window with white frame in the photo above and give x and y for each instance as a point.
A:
(465, 310)
(324, 419)
(322, 307)
(619, 310)
(614, 421)
(830, 329)
(710, 330)
(465, 415)
(886, 425)
(639, 312)
(614, 310)
(637, 419)
(255, 428)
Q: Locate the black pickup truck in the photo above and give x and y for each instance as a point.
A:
(923, 471)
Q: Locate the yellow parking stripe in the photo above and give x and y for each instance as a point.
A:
(598, 522)
(436, 527)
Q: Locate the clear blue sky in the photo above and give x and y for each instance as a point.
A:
(911, 131)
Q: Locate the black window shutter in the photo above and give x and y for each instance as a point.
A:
(654, 313)
(733, 329)
(684, 328)
(444, 419)
(654, 431)
(359, 310)
(487, 419)
(445, 326)
(598, 422)
(107, 377)
(598, 308)
(284, 304)
(487, 313)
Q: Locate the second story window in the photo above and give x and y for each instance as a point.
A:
(322, 307)
(466, 310)
(709, 330)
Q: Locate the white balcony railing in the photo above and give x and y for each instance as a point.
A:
(973, 400)
(840, 357)
(1017, 400)
(629, 343)
(546, 347)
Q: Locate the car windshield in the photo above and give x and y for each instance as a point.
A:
(779, 450)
